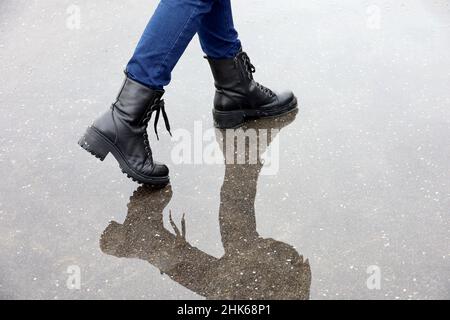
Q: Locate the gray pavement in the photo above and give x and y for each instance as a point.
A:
(362, 189)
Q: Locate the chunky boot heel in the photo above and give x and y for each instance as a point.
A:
(228, 119)
(95, 144)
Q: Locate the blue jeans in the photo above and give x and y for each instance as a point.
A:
(172, 27)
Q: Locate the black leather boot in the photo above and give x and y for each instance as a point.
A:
(122, 131)
(240, 98)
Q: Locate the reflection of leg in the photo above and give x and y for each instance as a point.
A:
(165, 39)
(237, 198)
(218, 37)
(237, 207)
(278, 271)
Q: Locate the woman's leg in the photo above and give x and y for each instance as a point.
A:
(166, 37)
(238, 96)
(218, 37)
(122, 130)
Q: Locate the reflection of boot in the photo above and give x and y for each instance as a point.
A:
(144, 236)
(144, 215)
(239, 97)
(122, 131)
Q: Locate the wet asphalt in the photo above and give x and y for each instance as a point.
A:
(349, 197)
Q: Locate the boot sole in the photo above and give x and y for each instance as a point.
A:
(236, 118)
(99, 146)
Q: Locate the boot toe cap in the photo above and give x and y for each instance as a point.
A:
(285, 97)
(160, 170)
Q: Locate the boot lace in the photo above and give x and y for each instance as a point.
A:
(251, 69)
(158, 107)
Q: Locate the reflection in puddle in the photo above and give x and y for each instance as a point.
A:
(251, 268)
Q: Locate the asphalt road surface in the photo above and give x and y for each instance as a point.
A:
(354, 201)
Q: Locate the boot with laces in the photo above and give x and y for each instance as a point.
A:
(240, 98)
(122, 131)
